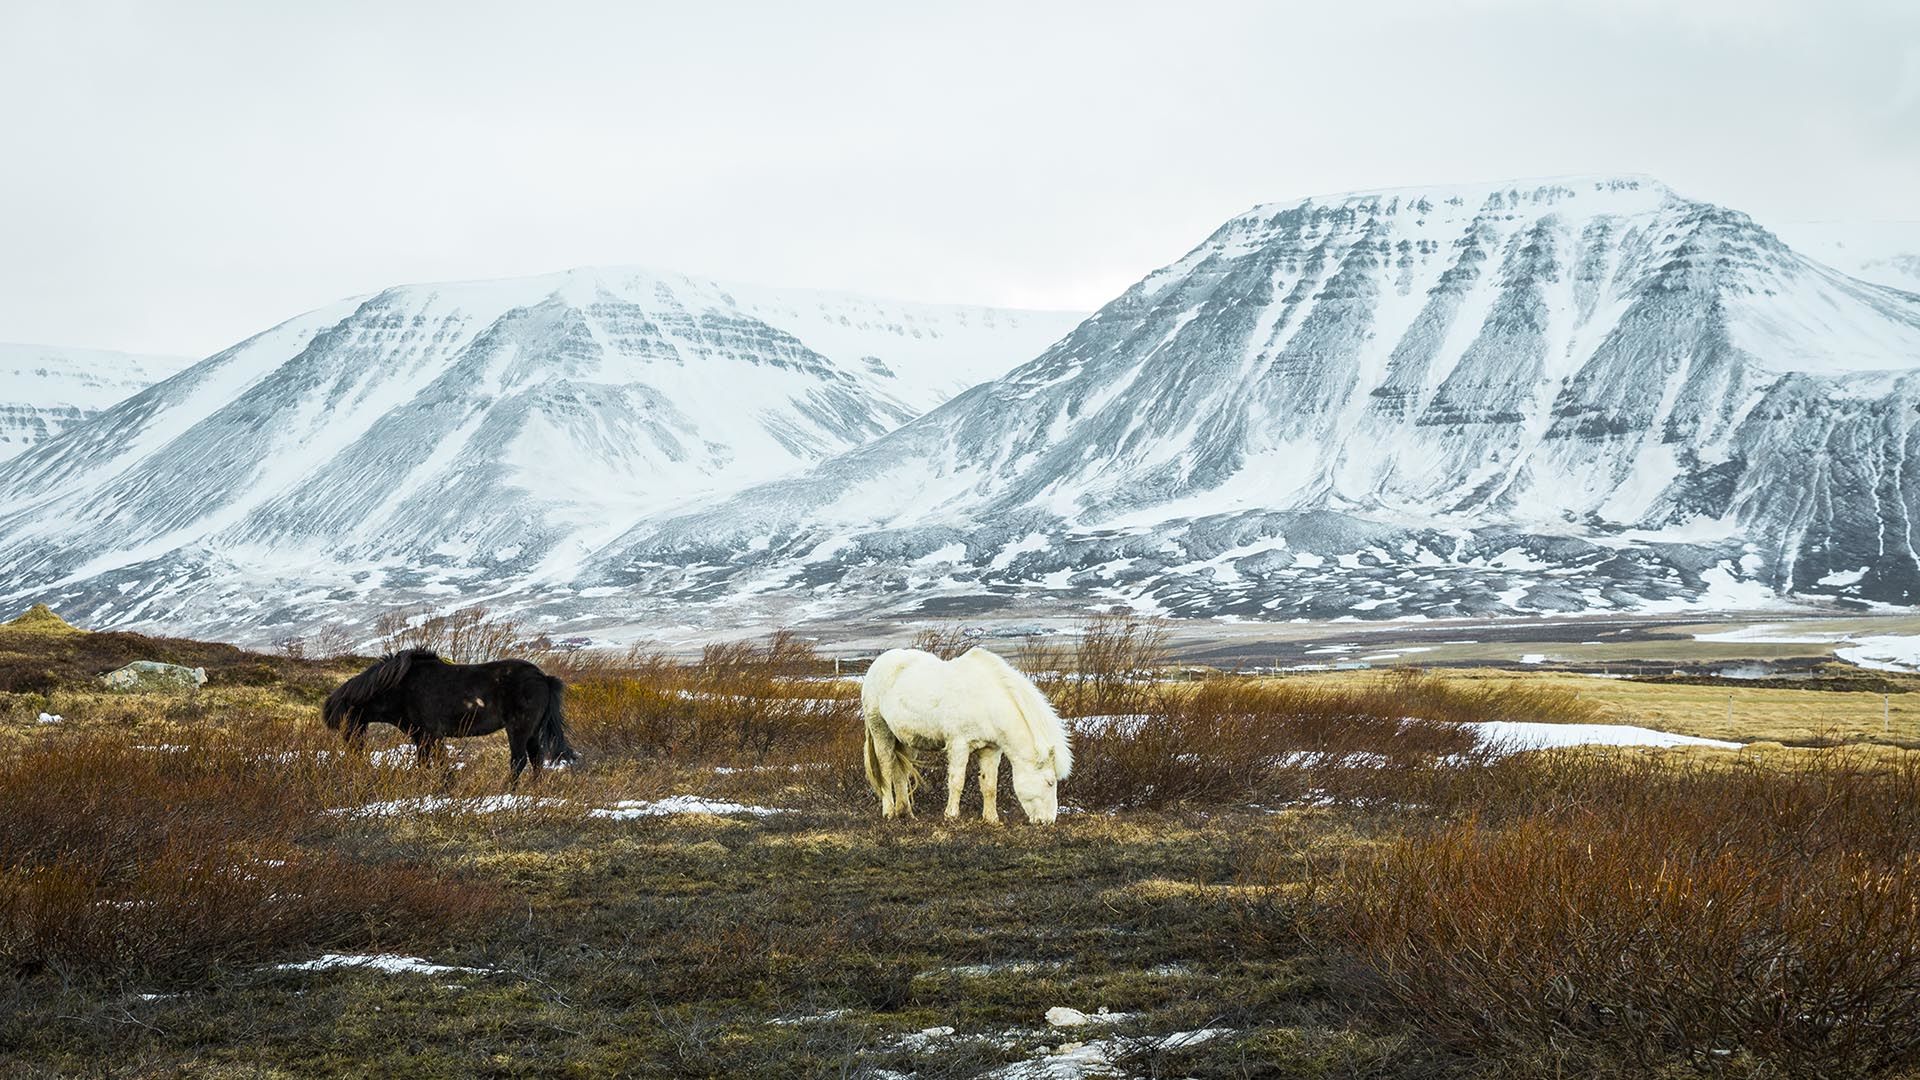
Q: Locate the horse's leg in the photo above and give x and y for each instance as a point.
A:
(959, 754)
(517, 750)
(990, 784)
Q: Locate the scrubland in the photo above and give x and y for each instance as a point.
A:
(1321, 876)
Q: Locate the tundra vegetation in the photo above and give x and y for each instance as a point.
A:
(1321, 876)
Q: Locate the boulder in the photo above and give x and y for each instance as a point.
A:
(149, 675)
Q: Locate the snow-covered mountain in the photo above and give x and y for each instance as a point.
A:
(1883, 252)
(1541, 396)
(1552, 395)
(433, 436)
(45, 388)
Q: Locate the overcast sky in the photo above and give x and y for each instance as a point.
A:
(177, 176)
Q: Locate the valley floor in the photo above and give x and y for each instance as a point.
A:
(174, 866)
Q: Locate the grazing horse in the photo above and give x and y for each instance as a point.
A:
(430, 699)
(914, 700)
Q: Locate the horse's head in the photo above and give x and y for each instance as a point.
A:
(334, 712)
(1038, 788)
(363, 698)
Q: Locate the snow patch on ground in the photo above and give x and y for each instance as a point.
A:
(430, 804)
(808, 1018)
(383, 962)
(1884, 652)
(1775, 634)
(628, 809)
(1074, 1061)
(1514, 736)
(1510, 736)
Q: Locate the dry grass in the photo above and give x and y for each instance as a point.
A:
(1578, 913)
(743, 703)
(1742, 710)
(161, 861)
(1754, 711)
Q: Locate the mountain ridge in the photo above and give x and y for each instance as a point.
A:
(49, 388)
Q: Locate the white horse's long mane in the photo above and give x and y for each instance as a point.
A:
(1043, 725)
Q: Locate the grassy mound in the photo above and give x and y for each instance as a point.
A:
(40, 619)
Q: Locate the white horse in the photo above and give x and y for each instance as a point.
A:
(913, 700)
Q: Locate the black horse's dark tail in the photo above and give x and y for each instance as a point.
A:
(553, 724)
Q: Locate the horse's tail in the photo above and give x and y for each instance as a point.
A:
(880, 738)
(1043, 725)
(552, 730)
(904, 766)
(350, 696)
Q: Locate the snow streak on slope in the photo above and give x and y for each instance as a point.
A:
(47, 388)
(433, 434)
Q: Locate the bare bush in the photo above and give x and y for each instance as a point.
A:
(329, 641)
(948, 641)
(1112, 665)
(747, 701)
(1606, 908)
(1228, 740)
(470, 635)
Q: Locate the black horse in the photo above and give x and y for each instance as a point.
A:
(430, 699)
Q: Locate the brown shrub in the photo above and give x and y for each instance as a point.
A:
(471, 635)
(947, 641)
(1112, 665)
(1600, 908)
(742, 703)
(1227, 740)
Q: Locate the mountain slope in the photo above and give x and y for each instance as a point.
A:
(1591, 378)
(436, 433)
(47, 388)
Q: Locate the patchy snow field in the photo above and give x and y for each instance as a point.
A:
(1888, 652)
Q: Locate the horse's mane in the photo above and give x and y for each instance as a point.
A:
(377, 680)
(1043, 724)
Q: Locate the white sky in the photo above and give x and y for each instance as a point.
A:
(177, 176)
